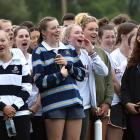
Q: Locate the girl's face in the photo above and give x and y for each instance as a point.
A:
(91, 32)
(7, 27)
(108, 40)
(34, 39)
(76, 36)
(4, 43)
(52, 33)
(22, 40)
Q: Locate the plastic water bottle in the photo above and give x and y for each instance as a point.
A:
(10, 126)
(98, 129)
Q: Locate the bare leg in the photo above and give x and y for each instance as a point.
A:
(90, 131)
(104, 127)
(73, 129)
(54, 128)
(114, 133)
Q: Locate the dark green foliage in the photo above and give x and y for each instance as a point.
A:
(34, 10)
(15, 10)
(134, 9)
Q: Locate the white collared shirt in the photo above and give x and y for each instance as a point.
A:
(49, 48)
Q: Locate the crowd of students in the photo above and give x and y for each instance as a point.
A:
(56, 81)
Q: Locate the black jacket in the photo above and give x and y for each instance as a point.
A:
(130, 86)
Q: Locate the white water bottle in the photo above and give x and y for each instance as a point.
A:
(10, 126)
(98, 129)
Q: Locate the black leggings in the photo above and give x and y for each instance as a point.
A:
(85, 125)
(38, 125)
(22, 124)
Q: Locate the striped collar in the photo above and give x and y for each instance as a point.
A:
(49, 48)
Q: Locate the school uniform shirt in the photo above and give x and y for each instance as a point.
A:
(15, 83)
(57, 91)
(87, 87)
(120, 62)
(19, 54)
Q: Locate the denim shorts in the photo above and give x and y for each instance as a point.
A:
(68, 113)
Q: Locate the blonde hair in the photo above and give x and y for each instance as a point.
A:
(67, 32)
(4, 21)
(79, 17)
(84, 18)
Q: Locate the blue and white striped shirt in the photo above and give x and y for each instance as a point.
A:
(57, 91)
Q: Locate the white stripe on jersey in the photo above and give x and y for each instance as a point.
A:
(10, 79)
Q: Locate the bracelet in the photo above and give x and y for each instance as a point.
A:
(94, 54)
(90, 53)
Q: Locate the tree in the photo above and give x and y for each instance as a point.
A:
(34, 10)
(42, 8)
(100, 8)
(134, 9)
(15, 10)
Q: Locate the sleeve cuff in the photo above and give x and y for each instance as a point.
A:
(125, 102)
(108, 101)
(93, 55)
(69, 65)
(60, 77)
(2, 105)
(16, 108)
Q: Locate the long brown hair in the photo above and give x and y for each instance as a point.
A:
(135, 56)
(43, 26)
(124, 29)
(104, 28)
